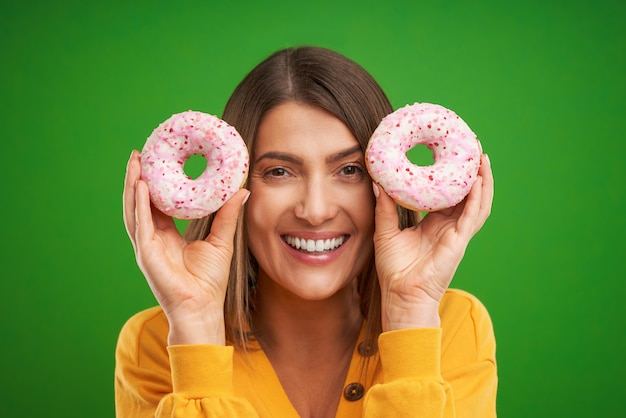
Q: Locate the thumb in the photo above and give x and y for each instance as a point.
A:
(385, 214)
(225, 221)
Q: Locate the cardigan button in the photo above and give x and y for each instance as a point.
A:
(353, 391)
(366, 349)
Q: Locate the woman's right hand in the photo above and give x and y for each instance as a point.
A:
(189, 280)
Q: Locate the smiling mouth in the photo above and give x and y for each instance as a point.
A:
(312, 246)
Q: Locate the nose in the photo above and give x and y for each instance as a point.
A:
(317, 202)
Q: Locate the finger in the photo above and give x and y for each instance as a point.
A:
(479, 201)
(385, 214)
(467, 219)
(488, 185)
(452, 210)
(225, 221)
(133, 172)
(144, 224)
(486, 195)
(162, 221)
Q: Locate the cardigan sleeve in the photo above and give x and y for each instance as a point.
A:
(153, 380)
(439, 372)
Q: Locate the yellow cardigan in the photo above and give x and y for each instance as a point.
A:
(434, 372)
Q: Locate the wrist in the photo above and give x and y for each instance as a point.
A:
(198, 328)
(399, 312)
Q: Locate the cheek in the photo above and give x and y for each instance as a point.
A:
(259, 211)
(254, 226)
(263, 211)
(361, 205)
(362, 214)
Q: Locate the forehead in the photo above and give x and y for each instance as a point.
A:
(303, 130)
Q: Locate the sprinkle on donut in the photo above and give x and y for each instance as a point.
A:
(456, 155)
(168, 148)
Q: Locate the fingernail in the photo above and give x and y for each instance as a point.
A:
(376, 191)
(488, 160)
(245, 199)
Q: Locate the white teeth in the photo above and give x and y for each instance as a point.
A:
(314, 246)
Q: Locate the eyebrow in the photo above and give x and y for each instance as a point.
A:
(284, 156)
(342, 154)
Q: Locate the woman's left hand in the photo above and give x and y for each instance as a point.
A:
(416, 265)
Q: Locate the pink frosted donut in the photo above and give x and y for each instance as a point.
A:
(170, 145)
(456, 154)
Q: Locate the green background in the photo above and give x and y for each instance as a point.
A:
(542, 83)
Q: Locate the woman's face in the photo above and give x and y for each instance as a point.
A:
(310, 214)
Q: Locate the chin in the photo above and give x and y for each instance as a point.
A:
(319, 290)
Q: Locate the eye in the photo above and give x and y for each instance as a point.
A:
(351, 170)
(276, 172)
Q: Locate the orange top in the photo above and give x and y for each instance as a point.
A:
(432, 372)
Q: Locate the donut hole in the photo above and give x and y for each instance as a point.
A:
(195, 166)
(421, 155)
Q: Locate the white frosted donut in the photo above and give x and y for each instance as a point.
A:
(456, 154)
(168, 148)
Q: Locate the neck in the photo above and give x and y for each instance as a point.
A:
(283, 320)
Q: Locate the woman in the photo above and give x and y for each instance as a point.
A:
(319, 298)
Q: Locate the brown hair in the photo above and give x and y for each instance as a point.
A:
(312, 76)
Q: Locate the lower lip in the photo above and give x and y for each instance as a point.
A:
(313, 258)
